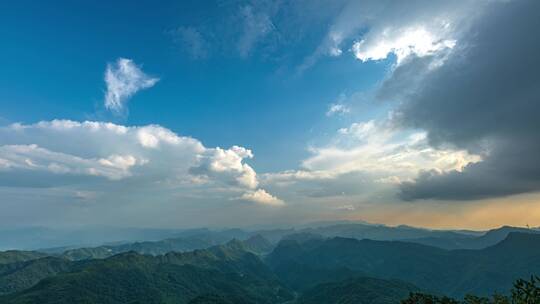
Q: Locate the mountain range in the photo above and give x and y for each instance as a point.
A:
(335, 263)
(451, 272)
(191, 239)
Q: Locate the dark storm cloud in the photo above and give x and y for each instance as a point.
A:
(485, 98)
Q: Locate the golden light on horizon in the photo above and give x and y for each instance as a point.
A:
(517, 210)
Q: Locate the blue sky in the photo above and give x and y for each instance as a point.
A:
(158, 114)
(258, 100)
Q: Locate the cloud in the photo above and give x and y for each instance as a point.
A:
(366, 161)
(34, 158)
(193, 41)
(337, 109)
(229, 165)
(262, 197)
(375, 146)
(257, 24)
(402, 43)
(123, 79)
(482, 99)
(98, 154)
(345, 208)
(374, 29)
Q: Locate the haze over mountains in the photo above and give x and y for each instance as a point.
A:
(163, 240)
(338, 262)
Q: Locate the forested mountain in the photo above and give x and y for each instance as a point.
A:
(455, 273)
(234, 266)
(359, 290)
(13, 256)
(228, 271)
(21, 275)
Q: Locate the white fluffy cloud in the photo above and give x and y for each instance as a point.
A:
(34, 158)
(229, 165)
(123, 79)
(262, 197)
(64, 151)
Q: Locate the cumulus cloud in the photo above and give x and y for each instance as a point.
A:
(262, 197)
(34, 158)
(123, 79)
(229, 165)
(59, 152)
(482, 99)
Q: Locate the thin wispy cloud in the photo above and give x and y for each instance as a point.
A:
(192, 41)
(123, 79)
(256, 26)
(337, 109)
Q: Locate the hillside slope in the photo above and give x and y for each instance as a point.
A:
(227, 271)
(455, 272)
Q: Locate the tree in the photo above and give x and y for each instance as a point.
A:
(526, 292)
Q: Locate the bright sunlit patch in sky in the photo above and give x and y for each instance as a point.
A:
(403, 43)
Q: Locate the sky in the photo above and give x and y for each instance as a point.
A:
(258, 113)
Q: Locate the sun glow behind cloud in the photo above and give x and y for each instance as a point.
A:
(401, 42)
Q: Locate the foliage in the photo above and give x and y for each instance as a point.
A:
(21, 275)
(14, 256)
(228, 272)
(360, 290)
(524, 292)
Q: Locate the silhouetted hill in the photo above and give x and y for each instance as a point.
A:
(494, 236)
(380, 232)
(490, 238)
